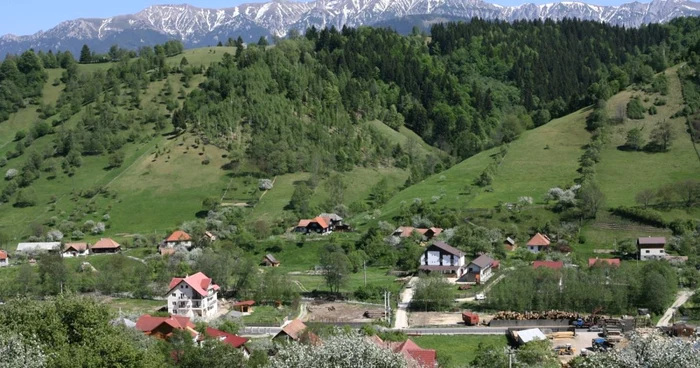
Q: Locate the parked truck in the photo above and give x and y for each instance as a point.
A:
(470, 319)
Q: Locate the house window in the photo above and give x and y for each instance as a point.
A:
(661, 251)
(173, 294)
(647, 251)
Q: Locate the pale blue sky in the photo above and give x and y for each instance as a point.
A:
(23, 17)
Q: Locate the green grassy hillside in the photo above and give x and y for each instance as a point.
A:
(623, 174)
(548, 156)
(163, 179)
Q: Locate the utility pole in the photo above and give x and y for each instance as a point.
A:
(364, 266)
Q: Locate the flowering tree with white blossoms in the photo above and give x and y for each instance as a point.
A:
(340, 351)
(652, 350)
(17, 352)
(54, 235)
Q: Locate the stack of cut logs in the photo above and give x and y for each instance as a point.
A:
(552, 314)
(375, 314)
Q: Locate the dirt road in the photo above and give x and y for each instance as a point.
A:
(682, 297)
(401, 320)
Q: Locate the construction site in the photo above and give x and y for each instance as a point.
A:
(343, 312)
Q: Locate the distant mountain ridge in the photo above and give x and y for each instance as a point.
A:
(200, 26)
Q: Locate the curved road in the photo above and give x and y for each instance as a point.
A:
(682, 297)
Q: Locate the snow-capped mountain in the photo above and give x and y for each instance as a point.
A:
(198, 26)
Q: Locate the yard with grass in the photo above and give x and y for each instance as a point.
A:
(266, 314)
(459, 350)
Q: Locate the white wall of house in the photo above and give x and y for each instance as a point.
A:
(184, 301)
(173, 244)
(651, 253)
(72, 254)
(484, 273)
(535, 248)
(4, 262)
(433, 258)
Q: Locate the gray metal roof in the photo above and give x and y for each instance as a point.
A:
(532, 334)
(271, 258)
(483, 261)
(35, 247)
(652, 240)
(448, 248)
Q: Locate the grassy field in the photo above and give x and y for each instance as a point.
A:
(459, 350)
(540, 159)
(147, 192)
(403, 136)
(623, 174)
(359, 182)
(267, 314)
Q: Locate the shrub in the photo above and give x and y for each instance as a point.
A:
(641, 215)
(77, 235)
(54, 235)
(99, 228)
(635, 109)
(3, 162)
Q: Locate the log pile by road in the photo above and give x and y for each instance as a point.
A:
(552, 314)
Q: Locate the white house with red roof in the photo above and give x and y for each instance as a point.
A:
(4, 259)
(193, 296)
(177, 239)
(538, 243)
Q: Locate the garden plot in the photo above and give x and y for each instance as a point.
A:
(342, 312)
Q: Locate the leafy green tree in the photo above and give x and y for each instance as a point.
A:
(592, 199)
(25, 198)
(432, 293)
(336, 267)
(662, 136)
(300, 201)
(635, 139)
(53, 274)
(635, 109)
(263, 41)
(116, 159)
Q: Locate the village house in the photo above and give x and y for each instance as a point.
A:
(244, 306)
(407, 232)
(538, 243)
(235, 341)
(75, 250)
(442, 257)
(424, 358)
(292, 331)
(4, 259)
(332, 219)
(270, 261)
(651, 248)
(105, 245)
(178, 238)
(510, 244)
(163, 327)
(612, 262)
(480, 269)
(316, 225)
(193, 296)
(39, 247)
(209, 236)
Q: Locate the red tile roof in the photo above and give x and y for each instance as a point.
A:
(609, 261)
(147, 323)
(555, 265)
(244, 302)
(3, 254)
(294, 329)
(199, 282)
(319, 220)
(78, 247)
(538, 240)
(227, 338)
(179, 235)
(105, 243)
(407, 231)
(426, 358)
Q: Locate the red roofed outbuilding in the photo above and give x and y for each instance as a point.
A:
(316, 225)
(105, 245)
(425, 358)
(163, 327)
(234, 341)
